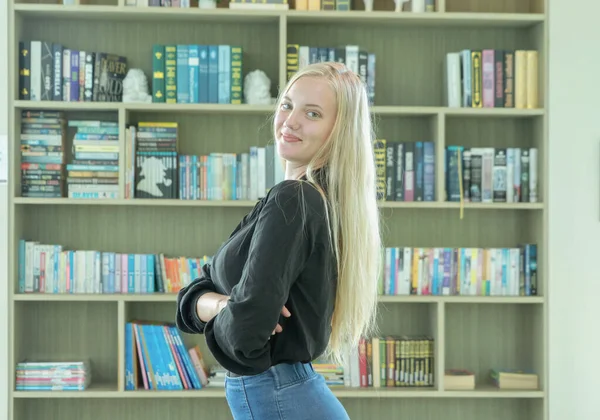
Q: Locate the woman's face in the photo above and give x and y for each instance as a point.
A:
(305, 119)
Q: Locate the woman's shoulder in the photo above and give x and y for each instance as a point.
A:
(297, 192)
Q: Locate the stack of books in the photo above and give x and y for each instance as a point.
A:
(53, 376)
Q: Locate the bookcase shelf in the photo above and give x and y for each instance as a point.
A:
(249, 204)
(266, 109)
(449, 19)
(475, 332)
(168, 297)
(107, 392)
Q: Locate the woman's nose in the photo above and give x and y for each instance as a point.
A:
(291, 121)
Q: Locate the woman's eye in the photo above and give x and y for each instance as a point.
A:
(285, 106)
(313, 114)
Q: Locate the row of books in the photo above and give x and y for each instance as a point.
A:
(155, 170)
(51, 268)
(492, 78)
(408, 361)
(460, 271)
(405, 170)
(491, 174)
(418, 6)
(197, 73)
(391, 361)
(230, 176)
(53, 375)
(159, 3)
(313, 5)
(356, 59)
(50, 71)
(156, 358)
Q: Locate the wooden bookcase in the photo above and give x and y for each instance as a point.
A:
(475, 332)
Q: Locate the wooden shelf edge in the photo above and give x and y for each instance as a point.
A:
(143, 107)
(133, 202)
(293, 16)
(463, 299)
(170, 297)
(380, 110)
(248, 203)
(340, 392)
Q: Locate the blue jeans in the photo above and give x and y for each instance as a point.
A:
(285, 391)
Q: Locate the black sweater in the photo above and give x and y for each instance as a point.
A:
(278, 255)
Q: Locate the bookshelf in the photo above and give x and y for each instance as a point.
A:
(473, 332)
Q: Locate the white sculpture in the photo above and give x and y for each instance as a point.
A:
(135, 87)
(257, 88)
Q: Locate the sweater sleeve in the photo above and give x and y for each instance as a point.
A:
(239, 336)
(187, 319)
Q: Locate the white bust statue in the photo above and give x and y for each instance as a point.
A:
(135, 87)
(257, 88)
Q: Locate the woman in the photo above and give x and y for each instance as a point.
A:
(297, 279)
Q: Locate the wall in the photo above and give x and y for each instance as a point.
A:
(574, 301)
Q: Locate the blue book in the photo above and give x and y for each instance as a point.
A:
(213, 74)
(129, 366)
(203, 75)
(131, 273)
(183, 83)
(193, 70)
(224, 95)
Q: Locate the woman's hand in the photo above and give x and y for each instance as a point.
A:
(221, 303)
(286, 313)
(209, 305)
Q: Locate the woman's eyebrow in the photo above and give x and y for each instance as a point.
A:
(287, 98)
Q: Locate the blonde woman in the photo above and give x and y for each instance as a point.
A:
(297, 279)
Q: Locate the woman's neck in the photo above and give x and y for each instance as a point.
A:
(294, 171)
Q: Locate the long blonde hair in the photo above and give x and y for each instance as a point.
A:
(350, 197)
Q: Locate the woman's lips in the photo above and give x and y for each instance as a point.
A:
(290, 139)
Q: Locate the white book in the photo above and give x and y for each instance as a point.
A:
(517, 175)
(418, 6)
(66, 75)
(510, 169)
(303, 56)
(35, 78)
(352, 58)
(452, 80)
(406, 270)
(262, 172)
(533, 164)
(487, 167)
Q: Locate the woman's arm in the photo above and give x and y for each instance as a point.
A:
(188, 317)
(209, 305)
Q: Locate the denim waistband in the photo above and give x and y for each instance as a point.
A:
(284, 373)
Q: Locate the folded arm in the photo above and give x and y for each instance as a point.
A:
(239, 335)
(192, 315)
